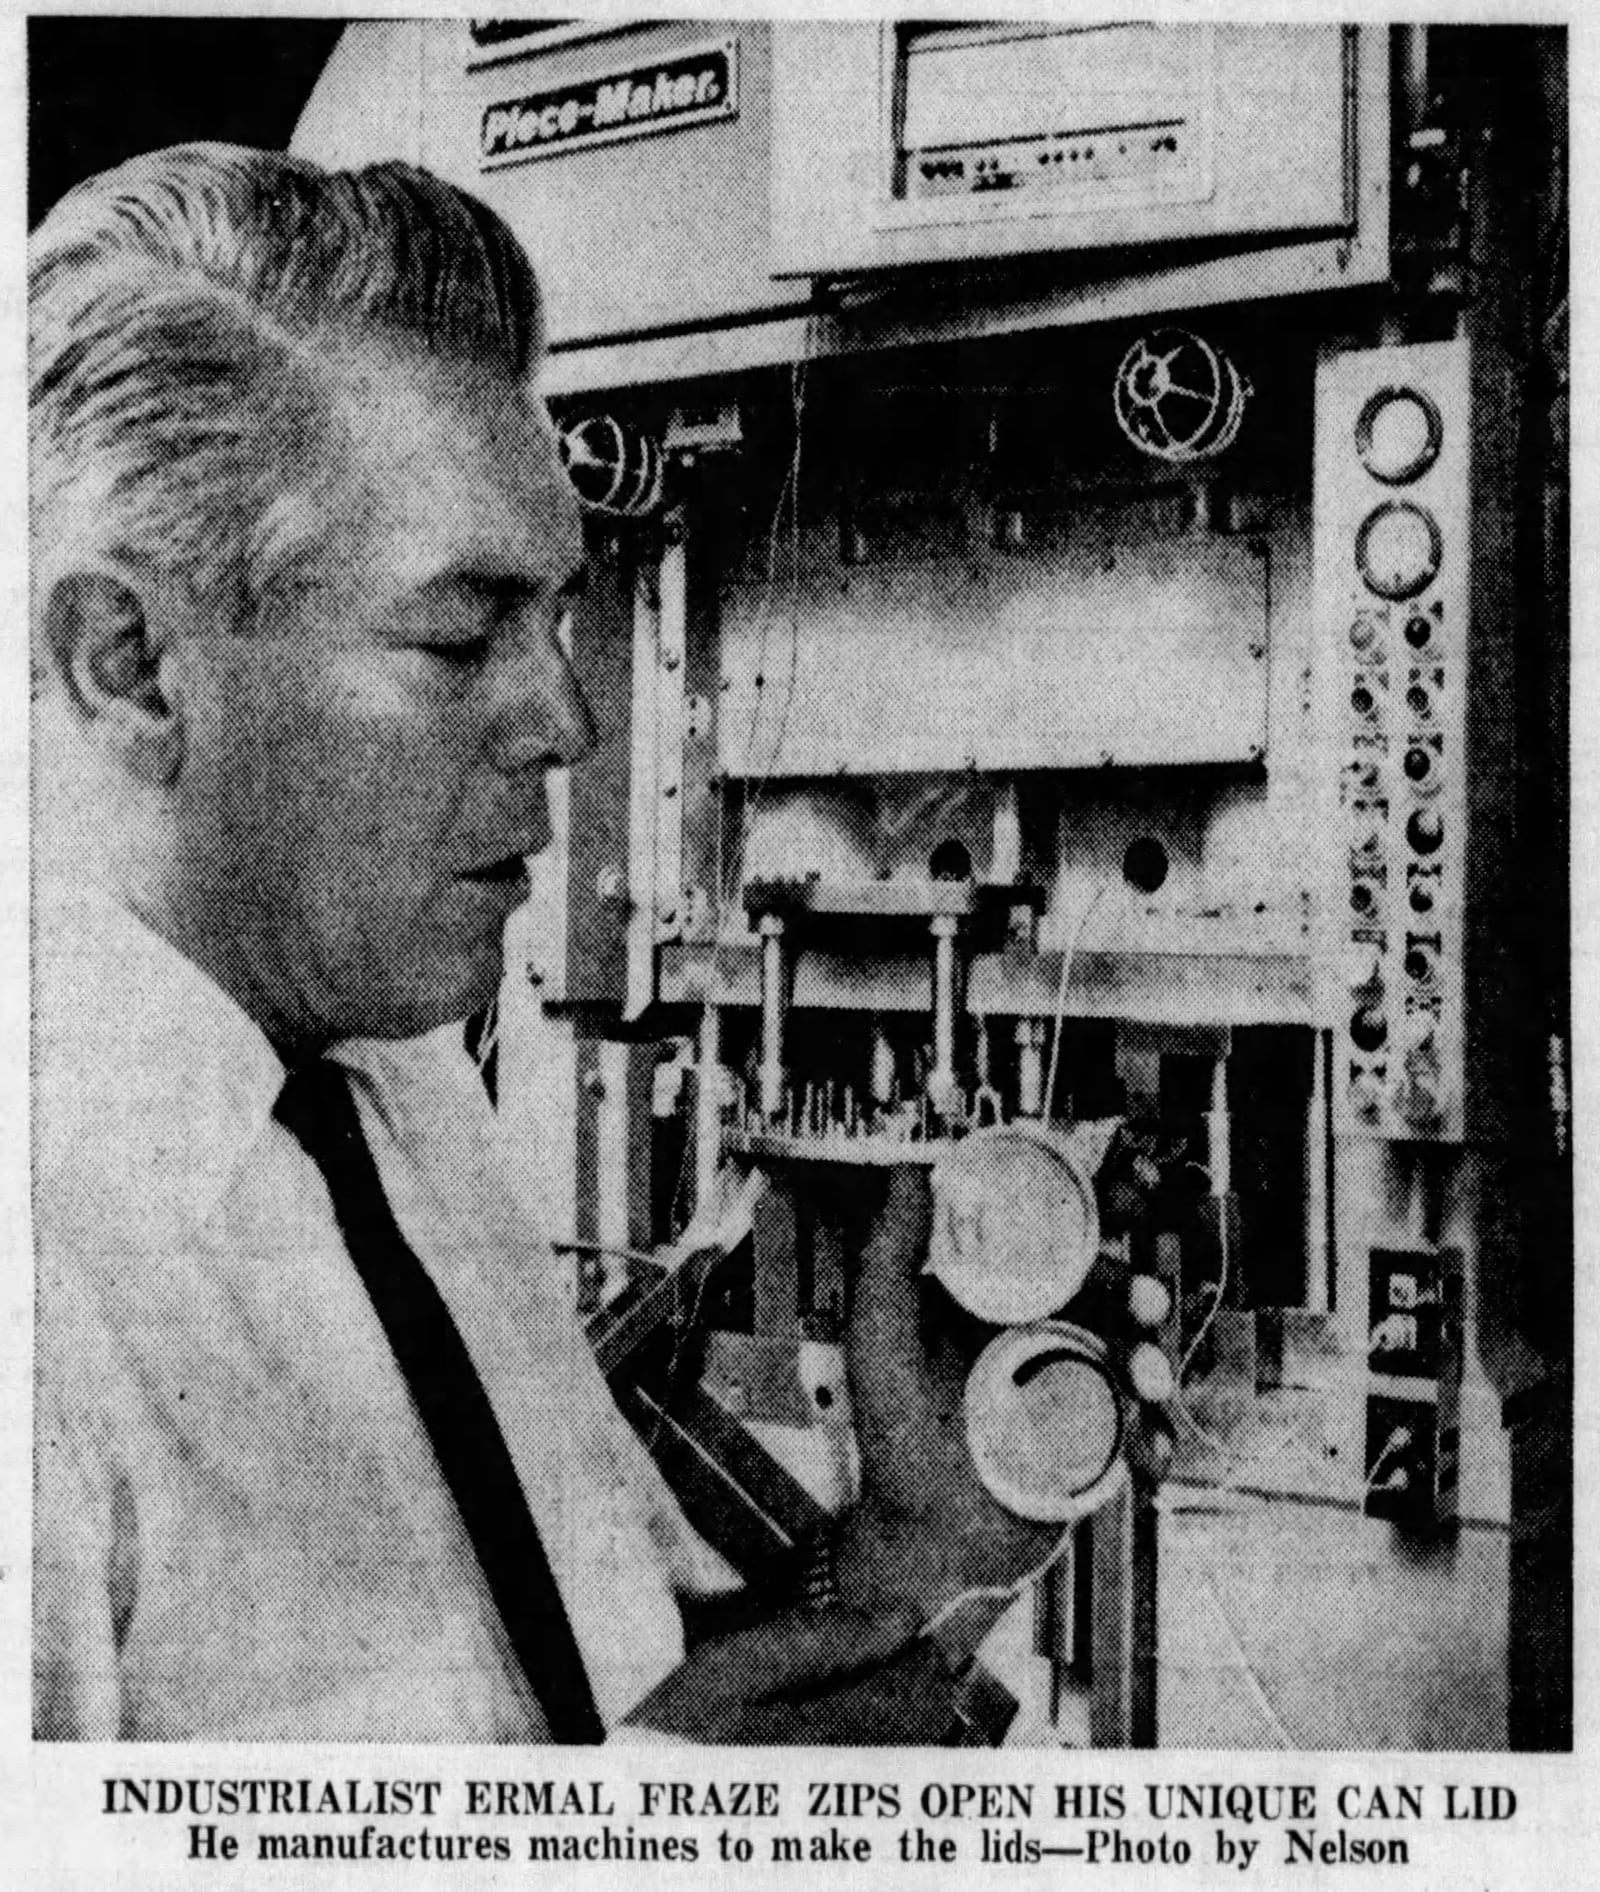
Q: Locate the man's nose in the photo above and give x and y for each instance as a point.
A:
(543, 720)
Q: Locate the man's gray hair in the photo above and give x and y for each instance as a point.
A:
(182, 311)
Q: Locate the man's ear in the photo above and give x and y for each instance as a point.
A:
(107, 657)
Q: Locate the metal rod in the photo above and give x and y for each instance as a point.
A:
(772, 1085)
(1318, 1259)
(942, 1078)
(1219, 1156)
(1415, 96)
(708, 1108)
(882, 1081)
(1006, 851)
(1030, 1067)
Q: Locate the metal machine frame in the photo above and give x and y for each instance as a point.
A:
(1236, 853)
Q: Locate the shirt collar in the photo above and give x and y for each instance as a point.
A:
(142, 1059)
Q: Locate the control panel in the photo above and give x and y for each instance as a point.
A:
(1391, 575)
(901, 143)
(1082, 115)
(1144, 159)
(1414, 1362)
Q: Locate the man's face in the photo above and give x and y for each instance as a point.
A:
(363, 771)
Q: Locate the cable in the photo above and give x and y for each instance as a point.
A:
(996, 1592)
(1216, 1303)
(1399, 1439)
(788, 496)
(728, 865)
(702, 1241)
(798, 401)
(787, 493)
(1181, 1405)
(1069, 954)
(682, 1329)
(1246, 1668)
(608, 1250)
(1295, 1433)
(1217, 1170)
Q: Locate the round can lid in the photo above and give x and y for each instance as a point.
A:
(1045, 1422)
(1015, 1224)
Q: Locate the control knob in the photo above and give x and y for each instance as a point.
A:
(1425, 830)
(1369, 1029)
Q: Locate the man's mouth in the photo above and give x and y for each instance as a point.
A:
(510, 871)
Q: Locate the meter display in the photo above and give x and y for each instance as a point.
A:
(1398, 435)
(1398, 550)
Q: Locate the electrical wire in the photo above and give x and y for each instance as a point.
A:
(1398, 1439)
(1221, 1290)
(788, 499)
(1068, 956)
(798, 401)
(608, 1251)
(754, 1186)
(996, 1592)
(1181, 1406)
(1253, 1461)
(692, 1246)
(682, 1329)
(760, 776)
(1246, 1667)
(728, 865)
(1245, 1458)
(764, 609)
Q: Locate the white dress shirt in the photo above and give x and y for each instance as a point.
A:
(240, 1529)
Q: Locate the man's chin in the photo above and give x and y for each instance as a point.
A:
(430, 1001)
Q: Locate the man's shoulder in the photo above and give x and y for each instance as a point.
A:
(149, 1083)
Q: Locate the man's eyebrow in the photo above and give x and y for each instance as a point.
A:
(507, 583)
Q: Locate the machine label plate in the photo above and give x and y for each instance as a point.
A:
(686, 87)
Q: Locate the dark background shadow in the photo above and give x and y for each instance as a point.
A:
(100, 90)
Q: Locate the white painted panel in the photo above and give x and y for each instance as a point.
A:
(1151, 655)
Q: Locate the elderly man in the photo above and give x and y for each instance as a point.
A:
(320, 1450)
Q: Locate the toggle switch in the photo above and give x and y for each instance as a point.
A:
(1417, 1091)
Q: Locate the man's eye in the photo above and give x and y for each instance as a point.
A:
(460, 656)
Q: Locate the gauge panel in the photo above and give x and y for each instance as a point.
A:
(1392, 535)
(1399, 435)
(1399, 550)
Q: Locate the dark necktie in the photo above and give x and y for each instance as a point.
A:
(315, 1105)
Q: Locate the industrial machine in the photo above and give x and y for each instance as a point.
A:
(1056, 499)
